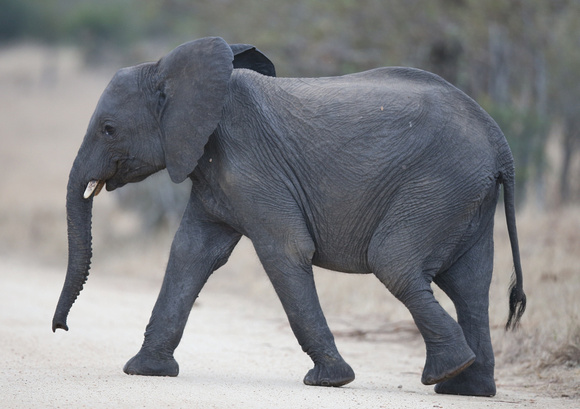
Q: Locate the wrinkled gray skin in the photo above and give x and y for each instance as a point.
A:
(392, 171)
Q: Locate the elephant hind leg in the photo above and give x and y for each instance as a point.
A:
(447, 352)
(467, 285)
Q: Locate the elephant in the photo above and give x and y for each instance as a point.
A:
(391, 171)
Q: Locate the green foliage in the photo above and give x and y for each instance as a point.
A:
(99, 27)
(103, 21)
(109, 22)
(27, 19)
(14, 19)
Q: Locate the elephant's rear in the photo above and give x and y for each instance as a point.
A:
(504, 173)
(506, 176)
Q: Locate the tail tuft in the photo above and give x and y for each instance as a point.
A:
(517, 307)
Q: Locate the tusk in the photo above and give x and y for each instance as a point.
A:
(93, 186)
(99, 187)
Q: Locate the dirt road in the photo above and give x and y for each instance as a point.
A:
(236, 353)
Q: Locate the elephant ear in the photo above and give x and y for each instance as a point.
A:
(191, 90)
(248, 56)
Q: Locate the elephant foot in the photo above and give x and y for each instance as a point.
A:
(443, 365)
(474, 381)
(148, 364)
(329, 374)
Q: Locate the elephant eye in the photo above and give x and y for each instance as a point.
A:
(109, 130)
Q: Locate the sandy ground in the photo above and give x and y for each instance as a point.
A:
(238, 349)
(236, 352)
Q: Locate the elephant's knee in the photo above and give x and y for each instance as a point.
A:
(294, 249)
(408, 288)
(300, 249)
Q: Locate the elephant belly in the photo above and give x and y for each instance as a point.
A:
(352, 265)
(343, 246)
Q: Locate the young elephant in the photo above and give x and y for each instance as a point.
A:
(392, 171)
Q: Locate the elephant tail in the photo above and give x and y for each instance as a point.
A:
(517, 300)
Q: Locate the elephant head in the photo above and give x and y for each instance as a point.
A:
(151, 116)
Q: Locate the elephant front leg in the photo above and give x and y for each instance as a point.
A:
(198, 249)
(291, 275)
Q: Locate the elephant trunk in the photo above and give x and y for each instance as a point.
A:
(79, 214)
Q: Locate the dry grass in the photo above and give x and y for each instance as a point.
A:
(44, 118)
(546, 345)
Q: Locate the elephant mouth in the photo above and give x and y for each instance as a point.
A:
(122, 175)
(94, 187)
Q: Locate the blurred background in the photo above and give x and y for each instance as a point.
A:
(519, 59)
